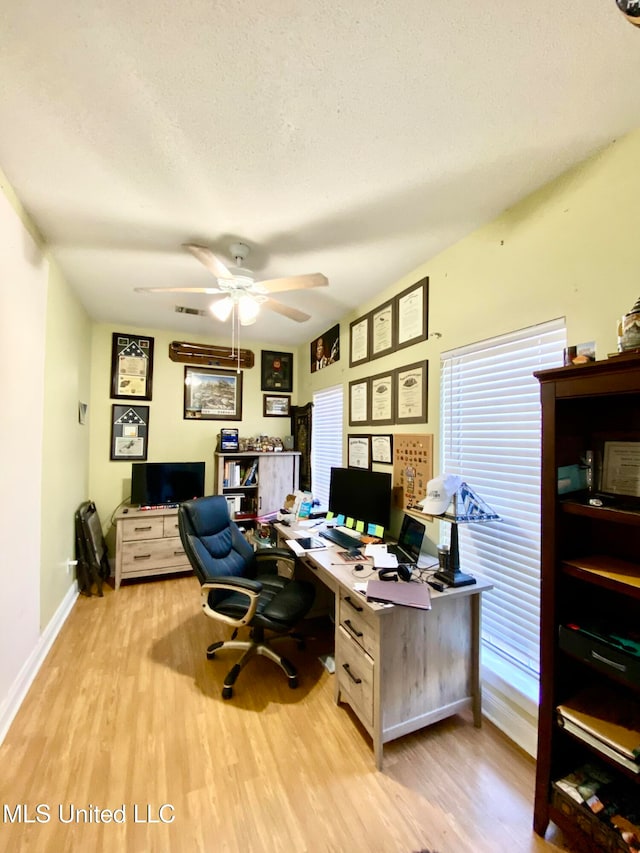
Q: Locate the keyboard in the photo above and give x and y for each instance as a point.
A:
(344, 540)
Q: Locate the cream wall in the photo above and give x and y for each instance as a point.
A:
(171, 437)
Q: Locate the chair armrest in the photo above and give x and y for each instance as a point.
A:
(275, 555)
(245, 586)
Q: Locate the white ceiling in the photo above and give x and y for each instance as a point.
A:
(357, 139)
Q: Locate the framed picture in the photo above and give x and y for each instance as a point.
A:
(359, 451)
(411, 393)
(276, 371)
(276, 405)
(131, 366)
(129, 432)
(621, 468)
(301, 426)
(382, 389)
(359, 341)
(382, 449)
(325, 350)
(359, 402)
(212, 394)
(412, 314)
(382, 330)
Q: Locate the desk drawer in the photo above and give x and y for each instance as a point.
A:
(151, 527)
(355, 620)
(170, 525)
(153, 553)
(354, 670)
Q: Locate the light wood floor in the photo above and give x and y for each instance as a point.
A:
(127, 711)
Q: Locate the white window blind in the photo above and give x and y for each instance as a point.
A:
(490, 435)
(326, 440)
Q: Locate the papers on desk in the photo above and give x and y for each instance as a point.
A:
(382, 559)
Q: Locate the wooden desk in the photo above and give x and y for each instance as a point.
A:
(400, 668)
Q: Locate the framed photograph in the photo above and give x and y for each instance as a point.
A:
(411, 393)
(412, 314)
(325, 350)
(359, 451)
(382, 449)
(276, 371)
(382, 390)
(131, 366)
(382, 330)
(212, 394)
(276, 405)
(359, 341)
(359, 402)
(129, 432)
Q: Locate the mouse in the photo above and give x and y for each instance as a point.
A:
(358, 567)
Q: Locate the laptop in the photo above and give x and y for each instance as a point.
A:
(409, 542)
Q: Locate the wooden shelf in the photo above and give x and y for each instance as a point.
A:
(609, 572)
(601, 513)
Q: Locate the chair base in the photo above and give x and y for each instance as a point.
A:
(252, 647)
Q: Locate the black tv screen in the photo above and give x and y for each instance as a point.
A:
(362, 495)
(162, 483)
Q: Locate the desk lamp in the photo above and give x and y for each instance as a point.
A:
(451, 499)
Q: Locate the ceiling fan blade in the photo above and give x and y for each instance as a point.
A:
(286, 310)
(209, 290)
(294, 282)
(210, 261)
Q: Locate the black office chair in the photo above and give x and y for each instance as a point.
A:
(239, 586)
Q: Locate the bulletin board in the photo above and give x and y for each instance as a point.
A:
(412, 469)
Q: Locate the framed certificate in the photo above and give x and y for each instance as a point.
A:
(129, 432)
(411, 393)
(359, 402)
(382, 388)
(359, 341)
(412, 314)
(131, 366)
(382, 330)
(382, 449)
(359, 451)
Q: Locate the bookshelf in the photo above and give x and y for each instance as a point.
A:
(590, 609)
(261, 481)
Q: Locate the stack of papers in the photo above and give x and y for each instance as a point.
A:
(382, 559)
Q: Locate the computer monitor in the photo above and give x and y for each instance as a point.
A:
(361, 495)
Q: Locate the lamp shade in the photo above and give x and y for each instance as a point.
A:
(221, 309)
(248, 310)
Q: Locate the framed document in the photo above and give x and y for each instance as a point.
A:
(359, 402)
(129, 432)
(359, 341)
(212, 394)
(621, 468)
(382, 389)
(382, 449)
(411, 393)
(382, 330)
(276, 371)
(359, 451)
(412, 314)
(131, 366)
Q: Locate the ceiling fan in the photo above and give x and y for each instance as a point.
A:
(237, 293)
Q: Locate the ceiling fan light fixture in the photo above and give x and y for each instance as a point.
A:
(221, 309)
(248, 310)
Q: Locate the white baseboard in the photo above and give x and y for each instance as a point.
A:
(10, 706)
(510, 719)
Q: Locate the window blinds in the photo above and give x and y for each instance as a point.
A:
(490, 435)
(326, 440)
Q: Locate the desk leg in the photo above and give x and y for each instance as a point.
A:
(476, 691)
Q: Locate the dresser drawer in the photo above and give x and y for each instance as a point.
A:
(358, 623)
(151, 527)
(354, 670)
(152, 553)
(170, 526)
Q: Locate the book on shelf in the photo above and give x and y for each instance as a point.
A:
(251, 474)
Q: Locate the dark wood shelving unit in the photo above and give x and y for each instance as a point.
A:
(590, 574)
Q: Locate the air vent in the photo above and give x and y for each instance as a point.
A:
(182, 309)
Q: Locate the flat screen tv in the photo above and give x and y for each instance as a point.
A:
(362, 495)
(162, 483)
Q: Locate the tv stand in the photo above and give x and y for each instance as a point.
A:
(148, 543)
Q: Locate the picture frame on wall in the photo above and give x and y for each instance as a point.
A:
(382, 391)
(359, 338)
(411, 387)
(129, 432)
(412, 314)
(325, 349)
(382, 449)
(212, 394)
(276, 371)
(359, 402)
(276, 405)
(382, 330)
(131, 366)
(359, 451)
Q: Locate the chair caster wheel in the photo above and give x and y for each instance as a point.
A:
(211, 655)
(227, 692)
(293, 683)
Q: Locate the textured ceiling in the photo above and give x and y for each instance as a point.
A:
(355, 139)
